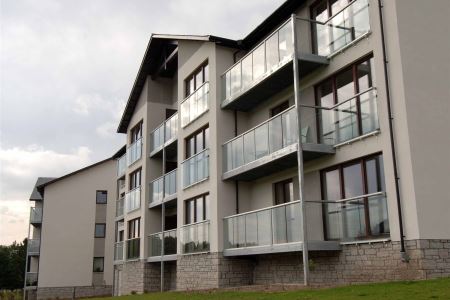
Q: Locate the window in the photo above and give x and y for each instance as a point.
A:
(279, 108)
(196, 79)
(135, 179)
(197, 142)
(101, 197)
(100, 229)
(136, 132)
(98, 264)
(197, 209)
(364, 217)
(284, 191)
(134, 228)
(353, 117)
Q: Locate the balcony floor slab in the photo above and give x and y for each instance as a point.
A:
(277, 161)
(283, 248)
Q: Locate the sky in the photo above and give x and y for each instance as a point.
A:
(66, 71)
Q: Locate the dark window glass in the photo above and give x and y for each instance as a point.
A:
(197, 142)
(197, 209)
(198, 77)
(135, 179)
(100, 230)
(284, 191)
(279, 108)
(98, 264)
(136, 132)
(134, 228)
(101, 197)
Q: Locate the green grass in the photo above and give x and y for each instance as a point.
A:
(407, 290)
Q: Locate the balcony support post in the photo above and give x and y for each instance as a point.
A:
(163, 214)
(301, 184)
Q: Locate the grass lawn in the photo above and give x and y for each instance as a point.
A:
(410, 290)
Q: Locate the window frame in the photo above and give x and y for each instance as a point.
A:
(133, 180)
(340, 168)
(279, 107)
(96, 196)
(135, 233)
(204, 198)
(205, 140)
(103, 264)
(356, 89)
(136, 132)
(204, 68)
(283, 183)
(95, 230)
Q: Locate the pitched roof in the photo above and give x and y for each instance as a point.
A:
(36, 194)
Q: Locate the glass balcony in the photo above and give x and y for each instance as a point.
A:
(121, 166)
(120, 207)
(133, 199)
(36, 215)
(118, 251)
(164, 134)
(274, 134)
(195, 105)
(268, 56)
(163, 187)
(357, 218)
(134, 152)
(133, 248)
(155, 242)
(349, 119)
(348, 25)
(33, 246)
(265, 227)
(195, 168)
(31, 279)
(195, 237)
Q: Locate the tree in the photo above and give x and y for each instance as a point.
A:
(12, 265)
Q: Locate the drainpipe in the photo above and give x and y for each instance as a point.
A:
(404, 255)
(236, 183)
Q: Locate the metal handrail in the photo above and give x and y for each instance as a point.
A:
(196, 154)
(259, 125)
(261, 209)
(340, 103)
(163, 123)
(136, 188)
(195, 91)
(259, 44)
(196, 223)
(139, 140)
(330, 18)
(347, 199)
(163, 232)
(162, 176)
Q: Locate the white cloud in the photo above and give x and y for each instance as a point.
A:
(13, 221)
(107, 130)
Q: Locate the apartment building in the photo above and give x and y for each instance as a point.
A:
(219, 188)
(312, 151)
(71, 234)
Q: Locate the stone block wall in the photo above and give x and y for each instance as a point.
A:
(73, 292)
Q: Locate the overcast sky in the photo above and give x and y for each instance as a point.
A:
(66, 70)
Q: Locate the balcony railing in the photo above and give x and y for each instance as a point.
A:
(155, 242)
(349, 119)
(31, 278)
(118, 251)
(163, 187)
(269, 226)
(269, 55)
(133, 199)
(195, 105)
(133, 248)
(195, 237)
(356, 218)
(274, 134)
(121, 165)
(33, 246)
(35, 215)
(195, 168)
(166, 132)
(349, 24)
(134, 152)
(120, 207)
